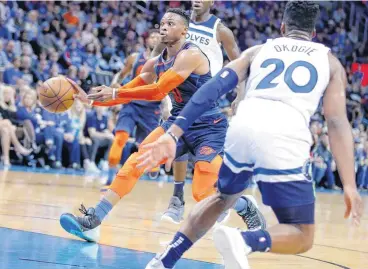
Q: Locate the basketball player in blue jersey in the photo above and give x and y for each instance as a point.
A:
(209, 34)
(269, 138)
(179, 71)
(142, 115)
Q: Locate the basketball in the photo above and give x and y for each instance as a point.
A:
(56, 94)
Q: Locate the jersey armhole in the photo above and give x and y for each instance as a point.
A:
(215, 30)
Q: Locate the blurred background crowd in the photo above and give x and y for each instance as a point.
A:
(89, 42)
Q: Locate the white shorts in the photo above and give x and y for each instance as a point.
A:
(272, 140)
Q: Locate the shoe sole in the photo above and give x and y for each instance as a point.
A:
(232, 248)
(71, 226)
(259, 213)
(169, 219)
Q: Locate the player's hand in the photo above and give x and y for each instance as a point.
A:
(80, 94)
(354, 204)
(164, 149)
(234, 105)
(101, 93)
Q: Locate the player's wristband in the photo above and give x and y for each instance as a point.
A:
(173, 136)
(114, 93)
(91, 102)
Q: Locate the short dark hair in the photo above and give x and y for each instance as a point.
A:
(181, 12)
(301, 15)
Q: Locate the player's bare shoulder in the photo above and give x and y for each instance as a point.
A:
(193, 58)
(336, 69)
(194, 54)
(251, 53)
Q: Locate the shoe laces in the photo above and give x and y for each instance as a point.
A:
(251, 218)
(174, 204)
(86, 212)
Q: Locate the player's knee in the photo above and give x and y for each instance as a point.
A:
(127, 177)
(307, 231)
(120, 139)
(204, 180)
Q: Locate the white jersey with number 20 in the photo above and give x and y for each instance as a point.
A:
(292, 71)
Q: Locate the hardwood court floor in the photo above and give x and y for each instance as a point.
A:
(33, 202)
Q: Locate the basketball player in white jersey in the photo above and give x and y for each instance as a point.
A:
(269, 139)
(210, 35)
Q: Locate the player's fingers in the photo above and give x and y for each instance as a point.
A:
(150, 166)
(168, 164)
(94, 96)
(144, 156)
(149, 145)
(348, 210)
(357, 210)
(96, 89)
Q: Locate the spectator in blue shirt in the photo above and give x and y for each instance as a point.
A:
(13, 73)
(98, 131)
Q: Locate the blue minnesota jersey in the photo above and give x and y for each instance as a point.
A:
(136, 70)
(181, 95)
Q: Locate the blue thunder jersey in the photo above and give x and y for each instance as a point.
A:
(136, 70)
(181, 95)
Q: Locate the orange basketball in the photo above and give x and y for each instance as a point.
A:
(56, 94)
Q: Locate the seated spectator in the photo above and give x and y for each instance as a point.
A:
(10, 50)
(90, 58)
(323, 164)
(4, 62)
(52, 135)
(8, 137)
(73, 54)
(7, 124)
(26, 68)
(30, 118)
(42, 71)
(74, 138)
(102, 137)
(13, 73)
(85, 78)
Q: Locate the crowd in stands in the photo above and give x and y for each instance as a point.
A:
(89, 41)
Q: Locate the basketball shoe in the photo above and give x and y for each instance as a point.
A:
(231, 245)
(86, 227)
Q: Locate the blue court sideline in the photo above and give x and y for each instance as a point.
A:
(26, 250)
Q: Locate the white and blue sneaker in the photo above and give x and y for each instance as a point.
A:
(175, 211)
(86, 227)
(156, 263)
(231, 245)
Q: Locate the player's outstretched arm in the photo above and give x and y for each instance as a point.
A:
(108, 96)
(340, 136)
(123, 73)
(187, 62)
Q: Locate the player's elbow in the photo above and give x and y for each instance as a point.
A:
(158, 97)
(337, 123)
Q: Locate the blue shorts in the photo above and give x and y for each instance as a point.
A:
(292, 202)
(204, 139)
(132, 115)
